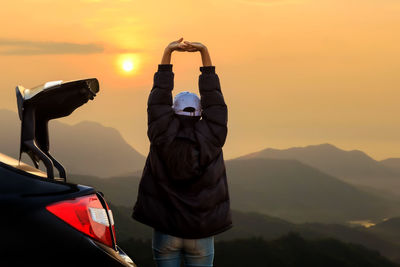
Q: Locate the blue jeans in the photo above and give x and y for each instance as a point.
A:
(168, 251)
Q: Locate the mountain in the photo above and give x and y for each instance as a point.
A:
(90, 148)
(290, 250)
(388, 229)
(126, 227)
(121, 191)
(392, 163)
(85, 148)
(253, 225)
(291, 190)
(353, 166)
(289, 186)
(286, 189)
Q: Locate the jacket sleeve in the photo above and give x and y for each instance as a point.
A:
(159, 105)
(215, 111)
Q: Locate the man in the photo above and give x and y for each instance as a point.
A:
(183, 193)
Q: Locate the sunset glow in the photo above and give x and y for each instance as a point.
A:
(127, 65)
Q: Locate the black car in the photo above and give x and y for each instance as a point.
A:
(44, 220)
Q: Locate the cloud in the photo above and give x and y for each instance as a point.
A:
(26, 47)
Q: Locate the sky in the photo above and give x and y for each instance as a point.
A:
(293, 72)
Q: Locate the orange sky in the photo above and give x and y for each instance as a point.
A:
(294, 72)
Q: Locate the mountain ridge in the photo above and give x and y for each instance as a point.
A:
(86, 147)
(353, 166)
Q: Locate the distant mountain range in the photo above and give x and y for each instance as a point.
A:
(392, 163)
(296, 184)
(353, 166)
(92, 149)
(297, 192)
(292, 250)
(389, 230)
(283, 188)
(248, 224)
(84, 148)
(289, 250)
(251, 225)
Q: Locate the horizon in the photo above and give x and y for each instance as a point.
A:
(228, 158)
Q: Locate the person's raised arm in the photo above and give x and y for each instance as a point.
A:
(215, 112)
(159, 104)
(173, 46)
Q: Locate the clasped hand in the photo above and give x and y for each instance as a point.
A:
(185, 46)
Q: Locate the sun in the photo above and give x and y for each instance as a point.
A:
(127, 65)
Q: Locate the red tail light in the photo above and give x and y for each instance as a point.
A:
(87, 215)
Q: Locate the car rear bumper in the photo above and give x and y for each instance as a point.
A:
(118, 255)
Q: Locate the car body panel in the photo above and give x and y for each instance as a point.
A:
(34, 236)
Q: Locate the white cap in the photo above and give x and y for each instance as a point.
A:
(187, 100)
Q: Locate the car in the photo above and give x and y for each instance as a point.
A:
(46, 220)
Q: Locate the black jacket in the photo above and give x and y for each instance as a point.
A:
(198, 207)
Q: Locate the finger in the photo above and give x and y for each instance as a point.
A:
(190, 47)
(182, 46)
(194, 44)
(177, 41)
